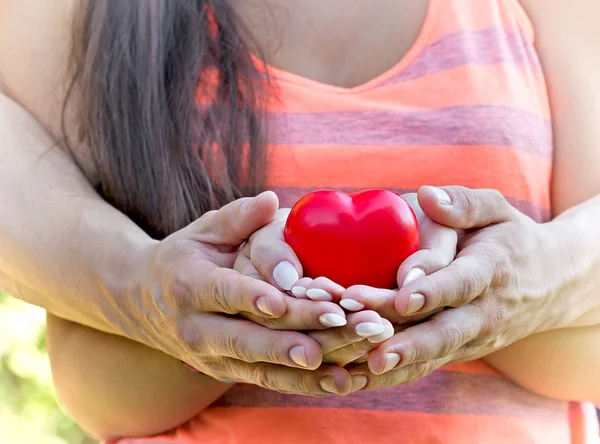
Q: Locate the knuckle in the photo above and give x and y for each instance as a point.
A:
(497, 200)
(453, 338)
(420, 370)
(503, 271)
(178, 290)
(469, 202)
(187, 339)
(263, 377)
(410, 353)
(234, 344)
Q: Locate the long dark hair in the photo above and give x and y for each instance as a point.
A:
(161, 157)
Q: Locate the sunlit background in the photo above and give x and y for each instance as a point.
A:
(29, 410)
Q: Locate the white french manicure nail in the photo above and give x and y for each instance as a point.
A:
(442, 196)
(366, 329)
(391, 361)
(388, 332)
(332, 320)
(415, 303)
(327, 383)
(413, 275)
(285, 275)
(316, 294)
(359, 382)
(299, 292)
(264, 305)
(351, 305)
(298, 355)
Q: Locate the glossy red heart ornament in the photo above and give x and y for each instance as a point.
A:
(353, 239)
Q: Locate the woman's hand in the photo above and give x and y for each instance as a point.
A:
(437, 250)
(187, 291)
(501, 287)
(267, 256)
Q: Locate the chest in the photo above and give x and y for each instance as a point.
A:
(335, 42)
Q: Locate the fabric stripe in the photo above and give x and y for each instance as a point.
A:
(485, 47)
(288, 196)
(525, 93)
(334, 426)
(436, 394)
(462, 125)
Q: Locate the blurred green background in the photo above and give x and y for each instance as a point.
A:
(29, 410)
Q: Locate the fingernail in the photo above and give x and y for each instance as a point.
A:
(332, 320)
(285, 275)
(299, 292)
(298, 355)
(413, 275)
(442, 196)
(250, 203)
(366, 329)
(316, 294)
(388, 332)
(391, 361)
(359, 382)
(264, 306)
(351, 305)
(327, 383)
(415, 303)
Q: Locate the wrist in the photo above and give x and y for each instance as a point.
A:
(121, 282)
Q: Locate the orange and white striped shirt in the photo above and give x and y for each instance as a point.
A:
(467, 105)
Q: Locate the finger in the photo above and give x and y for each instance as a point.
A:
(214, 335)
(360, 326)
(323, 289)
(394, 378)
(324, 381)
(299, 288)
(360, 297)
(457, 284)
(304, 314)
(464, 208)
(438, 338)
(388, 332)
(272, 257)
(224, 290)
(243, 264)
(233, 224)
(437, 250)
(359, 350)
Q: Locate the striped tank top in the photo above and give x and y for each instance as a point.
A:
(467, 105)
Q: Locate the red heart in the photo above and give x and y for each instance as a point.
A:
(353, 239)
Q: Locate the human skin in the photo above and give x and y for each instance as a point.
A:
(574, 181)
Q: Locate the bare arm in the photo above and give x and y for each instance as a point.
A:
(57, 236)
(65, 249)
(116, 387)
(565, 363)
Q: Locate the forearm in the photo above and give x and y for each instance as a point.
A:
(115, 387)
(564, 362)
(61, 246)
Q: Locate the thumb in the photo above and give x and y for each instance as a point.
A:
(464, 208)
(234, 223)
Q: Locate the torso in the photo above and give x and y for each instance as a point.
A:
(335, 42)
(447, 92)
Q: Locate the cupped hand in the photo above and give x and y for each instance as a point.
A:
(501, 288)
(437, 250)
(185, 294)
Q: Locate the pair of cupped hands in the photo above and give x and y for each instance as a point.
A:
(226, 296)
